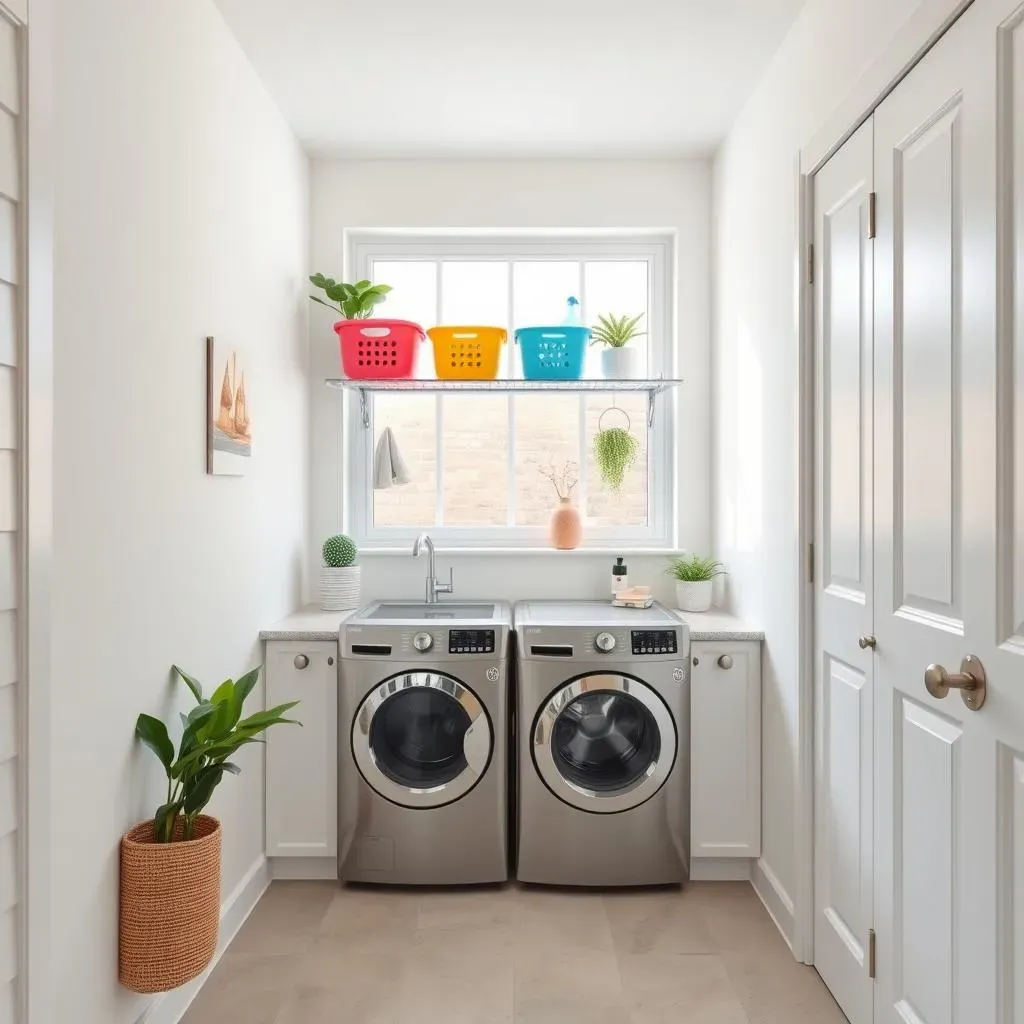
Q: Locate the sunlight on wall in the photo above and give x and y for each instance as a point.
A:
(748, 468)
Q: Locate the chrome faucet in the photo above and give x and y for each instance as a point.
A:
(433, 587)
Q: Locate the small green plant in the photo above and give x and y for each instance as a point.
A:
(352, 301)
(694, 569)
(616, 332)
(212, 731)
(615, 450)
(339, 551)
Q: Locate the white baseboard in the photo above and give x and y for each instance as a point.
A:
(305, 869)
(776, 900)
(721, 869)
(170, 1007)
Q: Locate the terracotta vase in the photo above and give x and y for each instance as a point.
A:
(566, 526)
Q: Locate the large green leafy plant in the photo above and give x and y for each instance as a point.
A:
(212, 731)
(352, 301)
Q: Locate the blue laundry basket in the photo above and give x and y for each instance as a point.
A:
(553, 353)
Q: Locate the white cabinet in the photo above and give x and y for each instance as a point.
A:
(302, 763)
(725, 749)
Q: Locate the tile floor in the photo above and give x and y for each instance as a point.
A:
(314, 953)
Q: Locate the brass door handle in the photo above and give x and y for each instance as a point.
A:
(970, 681)
(867, 642)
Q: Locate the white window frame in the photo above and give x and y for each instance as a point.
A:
(365, 247)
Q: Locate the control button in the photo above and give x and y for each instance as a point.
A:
(423, 641)
(605, 642)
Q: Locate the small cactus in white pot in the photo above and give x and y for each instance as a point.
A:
(340, 577)
(695, 580)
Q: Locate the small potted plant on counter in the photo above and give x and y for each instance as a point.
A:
(618, 360)
(340, 577)
(170, 864)
(695, 578)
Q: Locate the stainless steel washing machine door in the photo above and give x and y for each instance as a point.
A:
(422, 739)
(604, 742)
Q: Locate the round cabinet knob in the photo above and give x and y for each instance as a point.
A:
(301, 661)
(423, 641)
(725, 661)
(605, 643)
(867, 643)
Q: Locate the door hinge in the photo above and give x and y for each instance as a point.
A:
(810, 263)
(810, 562)
(871, 953)
(872, 221)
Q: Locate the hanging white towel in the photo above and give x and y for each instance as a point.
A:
(389, 468)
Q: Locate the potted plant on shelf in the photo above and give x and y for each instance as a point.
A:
(695, 578)
(565, 528)
(340, 577)
(352, 301)
(618, 360)
(170, 864)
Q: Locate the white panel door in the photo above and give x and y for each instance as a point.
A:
(843, 676)
(949, 168)
(302, 763)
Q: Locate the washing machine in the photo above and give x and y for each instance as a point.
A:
(603, 711)
(422, 745)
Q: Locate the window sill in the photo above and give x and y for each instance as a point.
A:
(488, 552)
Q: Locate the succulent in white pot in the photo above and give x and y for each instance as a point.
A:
(619, 360)
(340, 577)
(695, 580)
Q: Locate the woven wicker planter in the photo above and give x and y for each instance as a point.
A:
(170, 906)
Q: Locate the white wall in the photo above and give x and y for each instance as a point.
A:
(756, 364)
(505, 194)
(181, 211)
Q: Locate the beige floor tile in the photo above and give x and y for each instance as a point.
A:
(286, 918)
(775, 989)
(568, 987)
(371, 921)
(559, 921)
(657, 921)
(665, 988)
(244, 986)
(468, 922)
(316, 1004)
(455, 988)
(738, 921)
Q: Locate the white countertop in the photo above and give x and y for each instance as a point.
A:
(310, 623)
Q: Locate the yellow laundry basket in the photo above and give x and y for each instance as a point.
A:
(467, 353)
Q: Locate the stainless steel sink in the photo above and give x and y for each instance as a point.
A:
(394, 611)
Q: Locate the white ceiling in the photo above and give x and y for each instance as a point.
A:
(511, 78)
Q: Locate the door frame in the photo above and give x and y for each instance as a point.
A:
(35, 24)
(913, 40)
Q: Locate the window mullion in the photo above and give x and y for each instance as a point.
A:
(509, 365)
(581, 488)
(439, 460)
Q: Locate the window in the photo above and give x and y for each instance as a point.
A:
(477, 461)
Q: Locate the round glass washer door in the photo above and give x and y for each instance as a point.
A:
(422, 739)
(604, 743)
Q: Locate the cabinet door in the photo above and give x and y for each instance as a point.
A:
(302, 764)
(725, 749)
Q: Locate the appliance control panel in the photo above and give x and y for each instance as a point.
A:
(654, 641)
(471, 641)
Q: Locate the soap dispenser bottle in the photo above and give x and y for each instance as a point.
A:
(620, 576)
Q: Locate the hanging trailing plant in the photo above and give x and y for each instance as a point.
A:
(615, 450)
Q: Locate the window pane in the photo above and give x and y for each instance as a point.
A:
(476, 293)
(413, 422)
(547, 435)
(414, 290)
(619, 288)
(628, 507)
(475, 434)
(540, 290)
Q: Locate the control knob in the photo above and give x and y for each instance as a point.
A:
(605, 643)
(423, 641)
